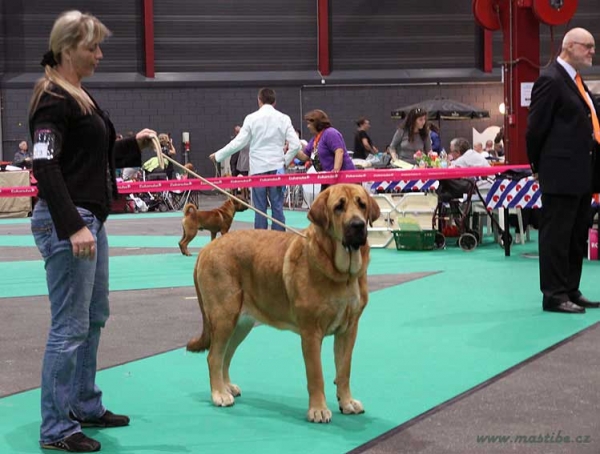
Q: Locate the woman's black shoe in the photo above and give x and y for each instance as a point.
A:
(78, 442)
(108, 419)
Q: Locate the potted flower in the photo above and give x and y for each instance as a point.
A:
(429, 160)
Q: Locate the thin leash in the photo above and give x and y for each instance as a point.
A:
(214, 186)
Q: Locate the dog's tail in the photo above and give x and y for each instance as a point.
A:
(189, 209)
(201, 343)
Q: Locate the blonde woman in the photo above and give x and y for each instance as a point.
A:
(166, 144)
(74, 161)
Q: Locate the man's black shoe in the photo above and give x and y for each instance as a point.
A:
(566, 307)
(78, 442)
(108, 419)
(582, 301)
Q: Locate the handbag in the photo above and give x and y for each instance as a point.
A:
(316, 162)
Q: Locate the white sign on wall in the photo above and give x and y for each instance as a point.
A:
(526, 88)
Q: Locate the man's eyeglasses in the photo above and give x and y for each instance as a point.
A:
(588, 46)
(310, 120)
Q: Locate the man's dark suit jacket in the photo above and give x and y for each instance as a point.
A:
(560, 145)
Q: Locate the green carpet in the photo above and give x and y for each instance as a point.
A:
(296, 218)
(420, 344)
(127, 272)
(127, 241)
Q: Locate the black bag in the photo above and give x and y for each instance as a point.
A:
(454, 188)
(514, 174)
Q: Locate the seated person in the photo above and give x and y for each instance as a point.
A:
(153, 171)
(499, 150)
(464, 156)
(132, 174)
(22, 157)
(499, 143)
(434, 135)
(185, 175)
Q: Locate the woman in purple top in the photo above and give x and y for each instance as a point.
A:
(327, 148)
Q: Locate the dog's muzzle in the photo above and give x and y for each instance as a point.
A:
(355, 234)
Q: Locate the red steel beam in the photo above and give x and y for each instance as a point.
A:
(488, 51)
(148, 11)
(522, 56)
(323, 58)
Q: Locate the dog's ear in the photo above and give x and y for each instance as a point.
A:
(373, 209)
(318, 213)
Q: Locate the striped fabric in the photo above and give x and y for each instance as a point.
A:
(404, 185)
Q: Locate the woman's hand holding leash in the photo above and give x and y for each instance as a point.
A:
(144, 137)
(147, 137)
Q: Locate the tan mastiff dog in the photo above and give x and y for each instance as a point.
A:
(218, 220)
(315, 286)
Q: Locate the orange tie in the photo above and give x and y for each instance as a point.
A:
(595, 122)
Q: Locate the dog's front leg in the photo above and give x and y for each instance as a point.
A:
(317, 406)
(343, 345)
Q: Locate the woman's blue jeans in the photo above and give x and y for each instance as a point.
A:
(78, 293)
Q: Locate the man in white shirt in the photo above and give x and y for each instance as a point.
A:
(464, 156)
(267, 131)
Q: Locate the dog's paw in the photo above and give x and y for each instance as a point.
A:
(234, 390)
(222, 399)
(351, 407)
(322, 415)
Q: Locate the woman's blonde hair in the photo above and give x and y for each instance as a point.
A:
(71, 29)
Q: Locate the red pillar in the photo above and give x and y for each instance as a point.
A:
(488, 51)
(323, 58)
(521, 32)
(148, 11)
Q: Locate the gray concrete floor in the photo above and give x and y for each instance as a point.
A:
(553, 396)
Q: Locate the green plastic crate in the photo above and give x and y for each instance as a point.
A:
(414, 240)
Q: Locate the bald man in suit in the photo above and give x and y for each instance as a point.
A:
(563, 145)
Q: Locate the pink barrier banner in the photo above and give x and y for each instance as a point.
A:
(290, 179)
(18, 191)
(593, 244)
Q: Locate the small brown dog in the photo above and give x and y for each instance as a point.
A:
(217, 220)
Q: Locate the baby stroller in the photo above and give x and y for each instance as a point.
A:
(453, 215)
(158, 201)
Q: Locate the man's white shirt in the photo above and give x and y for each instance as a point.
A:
(572, 73)
(266, 130)
(470, 158)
